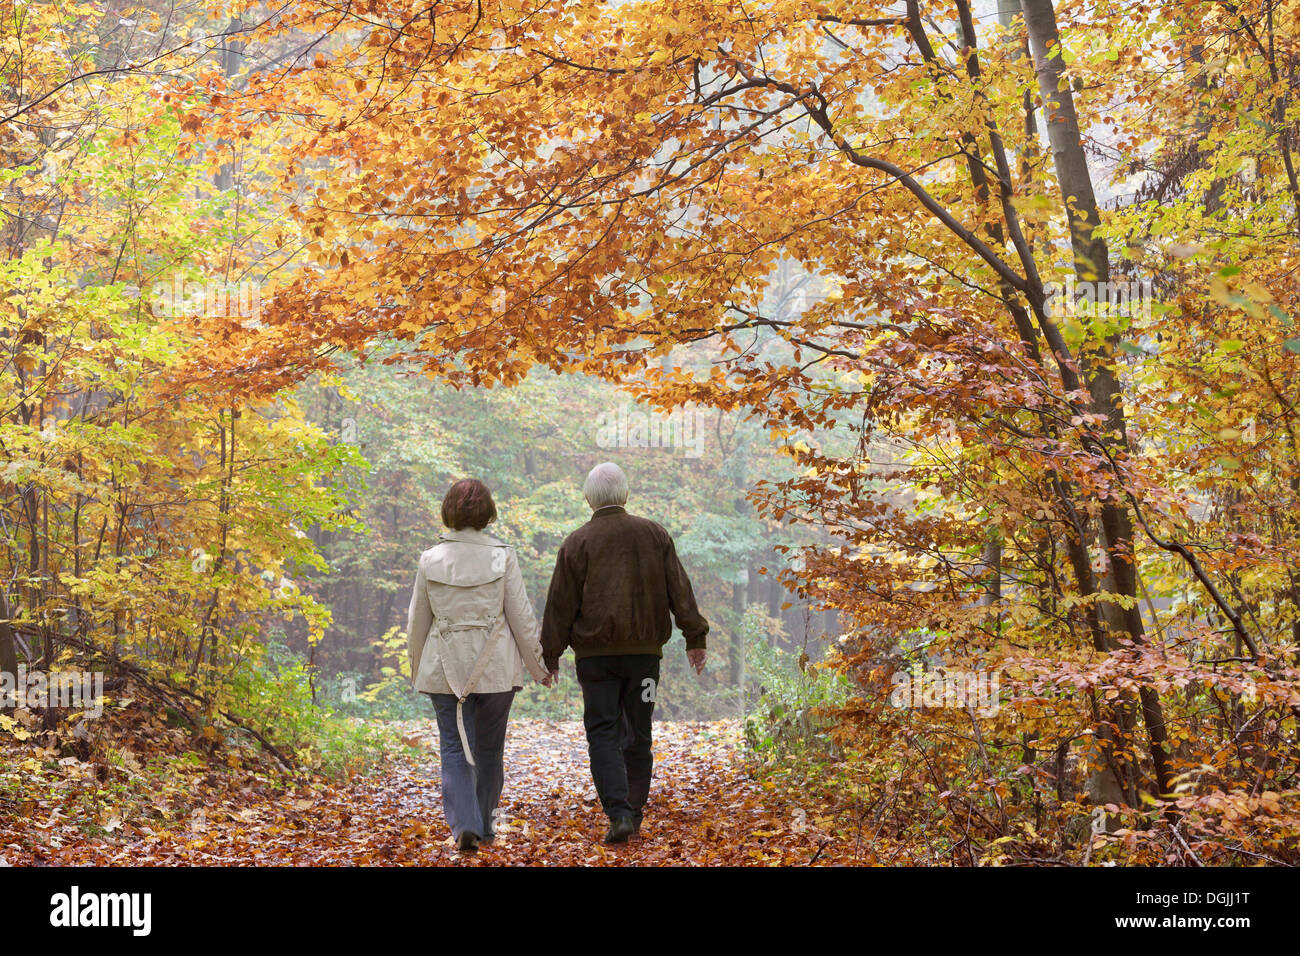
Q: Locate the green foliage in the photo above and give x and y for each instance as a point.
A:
(276, 690)
(789, 695)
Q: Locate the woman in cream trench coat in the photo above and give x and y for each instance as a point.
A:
(472, 634)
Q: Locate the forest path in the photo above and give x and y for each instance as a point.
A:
(703, 810)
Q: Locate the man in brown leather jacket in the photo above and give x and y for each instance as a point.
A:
(616, 581)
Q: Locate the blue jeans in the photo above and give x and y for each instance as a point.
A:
(471, 793)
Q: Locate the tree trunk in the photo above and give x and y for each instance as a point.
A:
(1092, 265)
(775, 597)
(738, 594)
(8, 650)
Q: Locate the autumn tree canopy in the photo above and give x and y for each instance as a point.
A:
(1012, 286)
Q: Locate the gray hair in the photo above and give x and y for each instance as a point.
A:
(605, 485)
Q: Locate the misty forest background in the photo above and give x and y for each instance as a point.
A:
(533, 444)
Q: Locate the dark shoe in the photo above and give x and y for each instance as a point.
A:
(636, 824)
(620, 828)
(468, 842)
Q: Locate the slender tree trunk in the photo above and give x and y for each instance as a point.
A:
(991, 558)
(8, 650)
(1092, 265)
(775, 595)
(737, 662)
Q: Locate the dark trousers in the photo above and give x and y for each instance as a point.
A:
(470, 794)
(618, 693)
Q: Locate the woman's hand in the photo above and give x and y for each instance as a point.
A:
(551, 679)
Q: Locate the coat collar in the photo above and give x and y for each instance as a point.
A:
(607, 511)
(469, 536)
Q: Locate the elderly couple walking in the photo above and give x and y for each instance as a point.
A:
(472, 634)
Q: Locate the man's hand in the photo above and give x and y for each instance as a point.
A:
(551, 679)
(696, 657)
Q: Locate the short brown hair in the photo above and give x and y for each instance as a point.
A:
(468, 504)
